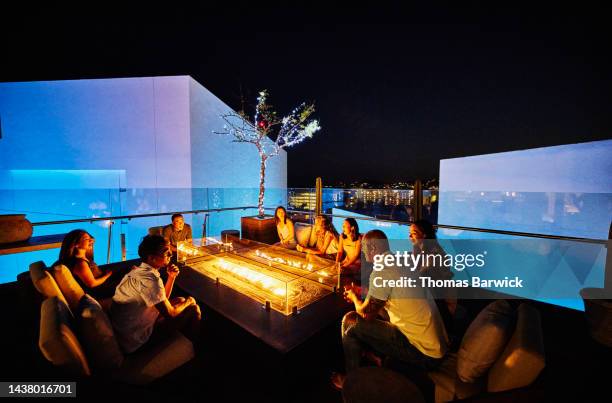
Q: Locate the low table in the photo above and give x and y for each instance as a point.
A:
(283, 333)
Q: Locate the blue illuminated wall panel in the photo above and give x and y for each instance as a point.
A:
(563, 190)
(84, 148)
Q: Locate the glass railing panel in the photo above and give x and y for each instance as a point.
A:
(552, 270)
(17, 263)
(388, 204)
(44, 205)
(564, 214)
(60, 204)
(430, 205)
(302, 199)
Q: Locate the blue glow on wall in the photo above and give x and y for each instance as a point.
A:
(96, 148)
(563, 190)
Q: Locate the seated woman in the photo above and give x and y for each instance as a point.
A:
(424, 240)
(327, 239)
(76, 254)
(285, 229)
(349, 247)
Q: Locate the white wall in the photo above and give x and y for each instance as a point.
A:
(68, 142)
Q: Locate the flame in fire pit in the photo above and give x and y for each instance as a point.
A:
(251, 276)
(292, 263)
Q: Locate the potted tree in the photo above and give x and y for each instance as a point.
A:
(269, 134)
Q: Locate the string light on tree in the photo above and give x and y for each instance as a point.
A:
(264, 128)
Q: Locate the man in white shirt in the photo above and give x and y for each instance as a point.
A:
(415, 332)
(141, 297)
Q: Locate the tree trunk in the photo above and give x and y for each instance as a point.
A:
(262, 189)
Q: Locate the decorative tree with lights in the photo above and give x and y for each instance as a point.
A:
(288, 131)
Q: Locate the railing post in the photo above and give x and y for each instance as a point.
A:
(123, 251)
(319, 196)
(608, 267)
(204, 229)
(417, 206)
(110, 235)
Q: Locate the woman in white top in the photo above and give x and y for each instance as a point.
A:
(285, 229)
(327, 239)
(349, 247)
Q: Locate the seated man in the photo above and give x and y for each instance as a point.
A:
(141, 297)
(414, 333)
(177, 232)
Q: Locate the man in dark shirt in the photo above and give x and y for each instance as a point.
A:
(177, 232)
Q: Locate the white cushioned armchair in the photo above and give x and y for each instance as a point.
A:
(76, 334)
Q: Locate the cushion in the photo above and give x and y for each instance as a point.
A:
(44, 282)
(448, 386)
(302, 233)
(57, 340)
(485, 340)
(523, 358)
(96, 334)
(154, 361)
(71, 290)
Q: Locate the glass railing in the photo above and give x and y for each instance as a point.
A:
(119, 218)
(117, 238)
(554, 268)
(389, 204)
(302, 199)
(558, 213)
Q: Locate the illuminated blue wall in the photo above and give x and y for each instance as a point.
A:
(562, 190)
(84, 148)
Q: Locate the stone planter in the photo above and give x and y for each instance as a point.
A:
(14, 228)
(598, 314)
(259, 229)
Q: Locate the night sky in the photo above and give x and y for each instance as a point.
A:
(397, 88)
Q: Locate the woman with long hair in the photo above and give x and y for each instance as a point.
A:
(77, 255)
(349, 247)
(285, 229)
(424, 240)
(327, 239)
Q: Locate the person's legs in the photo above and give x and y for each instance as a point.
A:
(354, 269)
(187, 322)
(192, 324)
(382, 337)
(378, 335)
(351, 344)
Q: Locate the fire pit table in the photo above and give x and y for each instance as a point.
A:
(278, 295)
